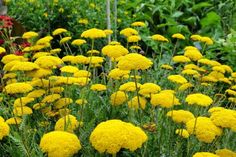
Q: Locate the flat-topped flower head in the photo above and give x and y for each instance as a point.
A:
(98, 87)
(67, 123)
(138, 24)
(60, 144)
(133, 38)
(17, 88)
(205, 154)
(59, 31)
(158, 37)
(134, 61)
(78, 42)
(204, 129)
(178, 36)
(93, 33)
(177, 79)
(29, 35)
(112, 135)
(128, 32)
(198, 99)
(180, 116)
(114, 51)
(4, 128)
(181, 59)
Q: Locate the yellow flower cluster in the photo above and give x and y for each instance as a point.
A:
(112, 135)
(180, 116)
(93, 33)
(164, 99)
(67, 123)
(198, 99)
(204, 129)
(4, 128)
(60, 144)
(225, 118)
(134, 61)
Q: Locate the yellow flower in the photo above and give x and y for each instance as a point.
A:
(58, 31)
(48, 62)
(185, 86)
(69, 69)
(55, 51)
(67, 123)
(60, 143)
(117, 74)
(158, 37)
(180, 116)
(182, 132)
(196, 37)
(56, 90)
(204, 129)
(20, 111)
(50, 98)
(149, 88)
(177, 79)
(225, 153)
(209, 79)
(22, 101)
(14, 120)
(128, 32)
(9, 76)
(38, 106)
(24, 66)
(114, 51)
(137, 102)
(118, 98)
(108, 31)
(39, 73)
(205, 154)
(129, 87)
(195, 73)
(133, 38)
(181, 59)
(112, 135)
(91, 52)
(78, 42)
(98, 87)
(4, 129)
(44, 40)
(178, 36)
(198, 99)
(134, 61)
(206, 40)
(80, 59)
(209, 62)
(138, 24)
(82, 73)
(29, 35)
(65, 39)
(93, 33)
(11, 57)
(2, 50)
(193, 54)
(224, 118)
(81, 101)
(165, 99)
(40, 54)
(167, 67)
(135, 47)
(195, 67)
(62, 102)
(16, 88)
